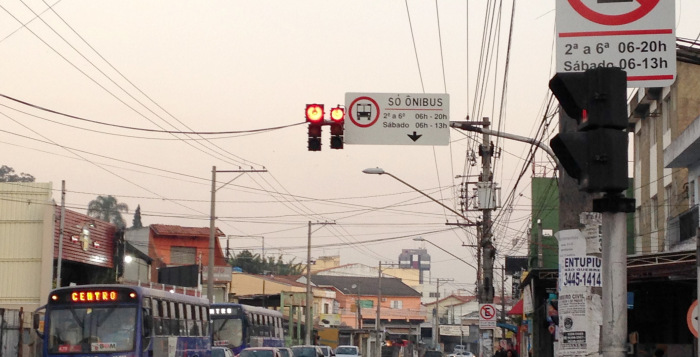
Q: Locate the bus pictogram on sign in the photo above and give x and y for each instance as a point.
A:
(364, 112)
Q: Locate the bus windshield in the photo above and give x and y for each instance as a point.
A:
(228, 332)
(92, 329)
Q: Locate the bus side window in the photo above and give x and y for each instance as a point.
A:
(181, 319)
(172, 314)
(193, 312)
(147, 326)
(165, 321)
(204, 320)
(157, 316)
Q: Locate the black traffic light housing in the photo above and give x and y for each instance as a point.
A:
(596, 98)
(314, 116)
(337, 127)
(596, 154)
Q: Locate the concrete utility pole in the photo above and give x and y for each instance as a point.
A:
(309, 301)
(488, 251)
(540, 246)
(212, 226)
(379, 316)
(436, 324)
(503, 299)
(60, 234)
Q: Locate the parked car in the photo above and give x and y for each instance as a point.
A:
(432, 353)
(307, 351)
(219, 351)
(286, 351)
(347, 351)
(260, 352)
(327, 351)
(461, 354)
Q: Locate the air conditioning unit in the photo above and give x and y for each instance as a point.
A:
(383, 299)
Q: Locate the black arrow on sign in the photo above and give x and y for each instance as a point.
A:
(414, 137)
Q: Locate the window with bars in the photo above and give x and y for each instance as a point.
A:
(183, 255)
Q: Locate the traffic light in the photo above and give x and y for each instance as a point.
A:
(595, 154)
(596, 158)
(596, 98)
(337, 123)
(314, 116)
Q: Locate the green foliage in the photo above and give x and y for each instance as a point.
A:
(255, 264)
(136, 223)
(7, 174)
(107, 208)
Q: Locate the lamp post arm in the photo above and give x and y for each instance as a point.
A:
(428, 196)
(467, 126)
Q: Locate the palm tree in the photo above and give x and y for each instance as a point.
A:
(108, 209)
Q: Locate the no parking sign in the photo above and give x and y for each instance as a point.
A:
(636, 36)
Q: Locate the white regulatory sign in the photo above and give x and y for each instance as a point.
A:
(397, 119)
(487, 316)
(636, 36)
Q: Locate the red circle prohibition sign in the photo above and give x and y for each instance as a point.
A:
(372, 120)
(487, 310)
(645, 6)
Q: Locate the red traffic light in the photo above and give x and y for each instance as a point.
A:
(338, 114)
(314, 113)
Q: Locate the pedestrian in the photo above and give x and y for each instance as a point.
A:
(511, 353)
(500, 352)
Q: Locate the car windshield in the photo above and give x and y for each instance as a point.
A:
(346, 351)
(228, 332)
(256, 353)
(304, 351)
(326, 350)
(87, 329)
(284, 352)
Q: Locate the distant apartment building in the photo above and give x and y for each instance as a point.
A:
(664, 210)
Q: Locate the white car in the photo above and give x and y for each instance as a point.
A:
(347, 351)
(461, 354)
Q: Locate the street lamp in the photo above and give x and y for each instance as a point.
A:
(358, 311)
(380, 171)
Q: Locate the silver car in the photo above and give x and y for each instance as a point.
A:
(347, 351)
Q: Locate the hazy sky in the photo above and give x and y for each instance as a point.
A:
(222, 66)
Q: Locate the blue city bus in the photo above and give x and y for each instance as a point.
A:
(239, 326)
(125, 321)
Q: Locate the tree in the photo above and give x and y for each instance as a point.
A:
(255, 264)
(7, 174)
(107, 208)
(136, 223)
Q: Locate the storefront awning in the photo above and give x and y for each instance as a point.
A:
(517, 308)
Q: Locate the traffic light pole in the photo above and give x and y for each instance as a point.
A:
(614, 209)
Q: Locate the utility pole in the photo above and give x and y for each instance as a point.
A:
(503, 299)
(379, 310)
(60, 234)
(540, 247)
(309, 321)
(488, 251)
(212, 225)
(436, 324)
